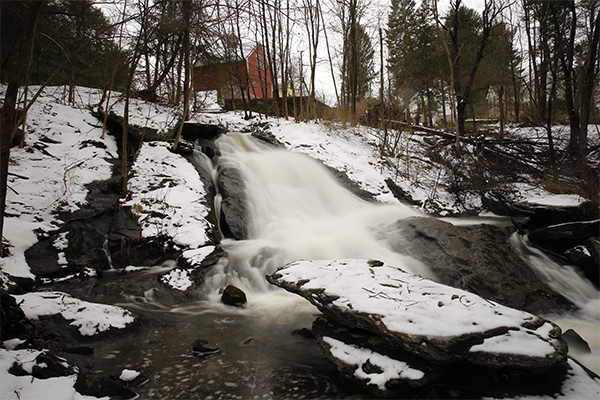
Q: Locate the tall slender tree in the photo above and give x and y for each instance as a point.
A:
(9, 121)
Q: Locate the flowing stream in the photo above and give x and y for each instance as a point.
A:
(296, 211)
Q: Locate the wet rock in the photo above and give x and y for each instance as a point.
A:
(202, 257)
(576, 342)
(342, 178)
(476, 258)
(192, 131)
(50, 366)
(82, 350)
(202, 348)
(233, 296)
(400, 194)
(99, 385)
(577, 231)
(582, 257)
(540, 215)
(233, 206)
(304, 332)
(267, 137)
(405, 310)
(14, 322)
(132, 378)
(369, 358)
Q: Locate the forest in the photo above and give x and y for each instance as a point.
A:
(448, 66)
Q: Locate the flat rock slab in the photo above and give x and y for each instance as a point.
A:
(438, 323)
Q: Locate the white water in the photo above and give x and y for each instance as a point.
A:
(565, 279)
(570, 282)
(298, 211)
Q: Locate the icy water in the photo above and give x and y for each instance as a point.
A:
(297, 211)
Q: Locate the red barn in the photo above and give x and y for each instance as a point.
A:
(230, 77)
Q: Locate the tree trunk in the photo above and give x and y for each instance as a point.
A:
(8, 115)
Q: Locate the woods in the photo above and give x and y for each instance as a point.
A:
(526, 62)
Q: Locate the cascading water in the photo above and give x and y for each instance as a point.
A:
(565, 279)
(298, 211)
(570, 282)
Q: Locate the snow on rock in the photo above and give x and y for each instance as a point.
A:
(26, 387)
(385, 369)
(167, 195)
(178, 279)
(196, 256)
(63, 152)
(128, 375)
(436, 322)
(91, 318)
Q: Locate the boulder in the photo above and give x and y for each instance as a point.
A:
(476, 258)
(233, 206)
(369, 359)
(538, 213)
(201, 348)
(99, 385)
(563, 236)
(435, 322)
(233, 296)
(47, 365)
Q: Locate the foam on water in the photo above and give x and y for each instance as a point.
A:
(298, 211)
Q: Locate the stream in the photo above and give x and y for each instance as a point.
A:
(297, 211)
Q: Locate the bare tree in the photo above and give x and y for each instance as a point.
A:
(9, 120)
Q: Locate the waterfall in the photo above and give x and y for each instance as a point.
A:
(565, 279)
(298, 211)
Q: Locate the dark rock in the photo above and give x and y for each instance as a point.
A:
(82, 350)
(14, 322)
(233, 206)
(582, 257)
(342, 178)
(50, 366)
(404, 310)
(304, 332)
(267, 137)
(19, 284)
(192, 131)
(476, 258)
(563, 236)
(188, 258)
(98, 385)
(141, 379)
(400, 194)
(201, 348)
(233, 296)
(540, 215)
(17, 370)
(417, 372)
(576, 342)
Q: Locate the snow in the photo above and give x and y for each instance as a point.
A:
(65, 150)
(577, 385)
(196, 256)
(91, 318)
(128, 375)
(167, 195)
(408, 303)
(391, 369)
(178, 279)
(527, 340)
(26, 387)
(564, 200)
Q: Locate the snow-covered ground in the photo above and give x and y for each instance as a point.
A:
(65, 150)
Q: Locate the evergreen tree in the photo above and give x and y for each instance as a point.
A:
(401, 42)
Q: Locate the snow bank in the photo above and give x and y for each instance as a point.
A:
(91, 318)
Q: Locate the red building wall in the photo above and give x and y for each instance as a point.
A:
(219, 76)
